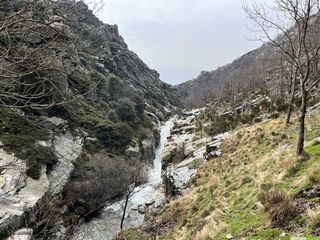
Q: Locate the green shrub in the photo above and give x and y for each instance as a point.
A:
(96, 76)
(37, 156)
(112, 116)
(126, 111)
(116, 88)
(114, 136)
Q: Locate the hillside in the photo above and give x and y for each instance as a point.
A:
(76, 106)
(261, 71)
(256, 189)
(243, 73)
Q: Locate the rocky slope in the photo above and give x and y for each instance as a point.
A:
(78, 94)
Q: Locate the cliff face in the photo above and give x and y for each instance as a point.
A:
(66, 75)
(103, 43)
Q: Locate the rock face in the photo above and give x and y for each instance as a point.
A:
(68, 149)
(184, 151)
(22, 234)
(113, 55)
(19, 194)
(142, 150)
(110, 99)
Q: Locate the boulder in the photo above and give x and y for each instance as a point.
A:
(133, 151)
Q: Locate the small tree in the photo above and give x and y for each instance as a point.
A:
(137, 175)
(299, 45)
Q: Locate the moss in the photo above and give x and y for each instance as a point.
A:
(313, 150)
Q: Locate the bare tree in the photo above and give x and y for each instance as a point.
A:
(32, 36)
(294, 23)
(136, 176)
(29, 75)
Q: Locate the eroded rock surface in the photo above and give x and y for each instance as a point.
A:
(19, 193)
(186, 150)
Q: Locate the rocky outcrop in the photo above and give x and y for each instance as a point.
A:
(20, 194)
(142, 150)
(185, 151)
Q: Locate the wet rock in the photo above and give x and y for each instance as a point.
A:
(311, 192)
(212, 155)
(20, 194)
(68, 149)
(148, 148)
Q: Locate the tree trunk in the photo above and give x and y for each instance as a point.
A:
(293, 91)
(124, 211)
(303, 110)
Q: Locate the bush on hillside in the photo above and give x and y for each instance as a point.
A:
(38, 156)
(280, 207)
(109, 177)
(126, 111)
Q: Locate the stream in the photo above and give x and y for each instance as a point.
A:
(107, 225)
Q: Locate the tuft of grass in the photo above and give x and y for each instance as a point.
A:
(280, 207)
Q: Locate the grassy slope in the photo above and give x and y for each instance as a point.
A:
(227, 196)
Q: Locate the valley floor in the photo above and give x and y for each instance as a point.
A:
(258, 189)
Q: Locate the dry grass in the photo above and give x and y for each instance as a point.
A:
(227, 193)
(313, 218)
(280, 207)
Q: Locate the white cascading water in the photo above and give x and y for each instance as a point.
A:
(107, 225)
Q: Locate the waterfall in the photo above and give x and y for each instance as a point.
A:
(107, 225)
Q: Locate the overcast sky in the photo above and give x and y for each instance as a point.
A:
(180, 38)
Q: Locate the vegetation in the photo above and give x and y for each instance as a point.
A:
(110, 176)
(251, 192)
(20, 134)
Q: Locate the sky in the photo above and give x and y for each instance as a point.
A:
(181, 38)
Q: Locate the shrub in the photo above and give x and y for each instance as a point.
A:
(112, 116)
(36, 157)
(313, 219)
(314, 176)
(280, 207)
(140, 106)
(116, 87)
(114, 136)
(109, 177)
(96, 76)
(126, 110)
